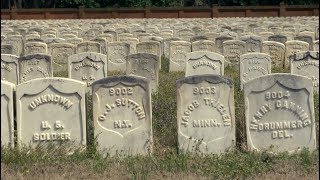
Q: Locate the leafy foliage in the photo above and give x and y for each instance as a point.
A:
(5, 4)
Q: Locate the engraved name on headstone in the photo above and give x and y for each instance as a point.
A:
(307, 64)
(122, 115)
(280, 113)
(117, 54)
(144, 65)
(276, 51)
(177, 55)
(232, 49)
(293, 47)
(253, 65)
(51, 110)
(204, 62)
(34, 66)
(205, 114)
(87, 67)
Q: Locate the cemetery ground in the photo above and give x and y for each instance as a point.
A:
(165, 162)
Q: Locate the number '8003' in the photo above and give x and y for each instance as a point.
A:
(121, 91)
(204, 90)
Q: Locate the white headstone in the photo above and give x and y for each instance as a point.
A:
(254, 65)
(88, 46)
(205, 114)
(7, 118)
(117, 54)
(34, 66)
(144, 65)
(51, 110)
(9, 68)
(122, 115)
(276, 51)
(293, 47)
(60, 53)
(204, 62)
(87, 67)
(232, 50)
(280, 113)
(177, 55)
(307, 64)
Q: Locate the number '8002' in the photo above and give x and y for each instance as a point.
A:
(121, 91)
(204, 90)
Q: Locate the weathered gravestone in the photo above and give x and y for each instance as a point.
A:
(307, 64)
(198, 38)
(276, 51)
(211, 35)
(203, 45)
(186, 36)
(6, 49)
(293, 47)
(144, 65)
(253, 43)
(205, 114)
(307, 39)
(59, 54)
(88, 46)
(177, 55)
(150, 47)
(133, 44)
(117, 54)
(74, 41)
(9, 68)
(124, 36)
(122, 115)
(278, 38)
(35, 48)
(230, 34)
(34, 66)
(50, 41)
(87, 67)
(51, 110)
(280, 113)
(103, 44)
(7, 126)
(232, 49)
(254, 65)
(113, 33)
(204, 62)
(219, 43)
(265, 35)
(166, 46)
(16, 42)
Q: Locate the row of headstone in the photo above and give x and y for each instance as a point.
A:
(88, 67)
(116, 30)
(279, 112)
(222, 45)
(232, 50)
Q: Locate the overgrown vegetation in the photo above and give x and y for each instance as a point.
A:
(166, 162)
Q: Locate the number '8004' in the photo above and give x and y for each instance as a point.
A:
(204, 90)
